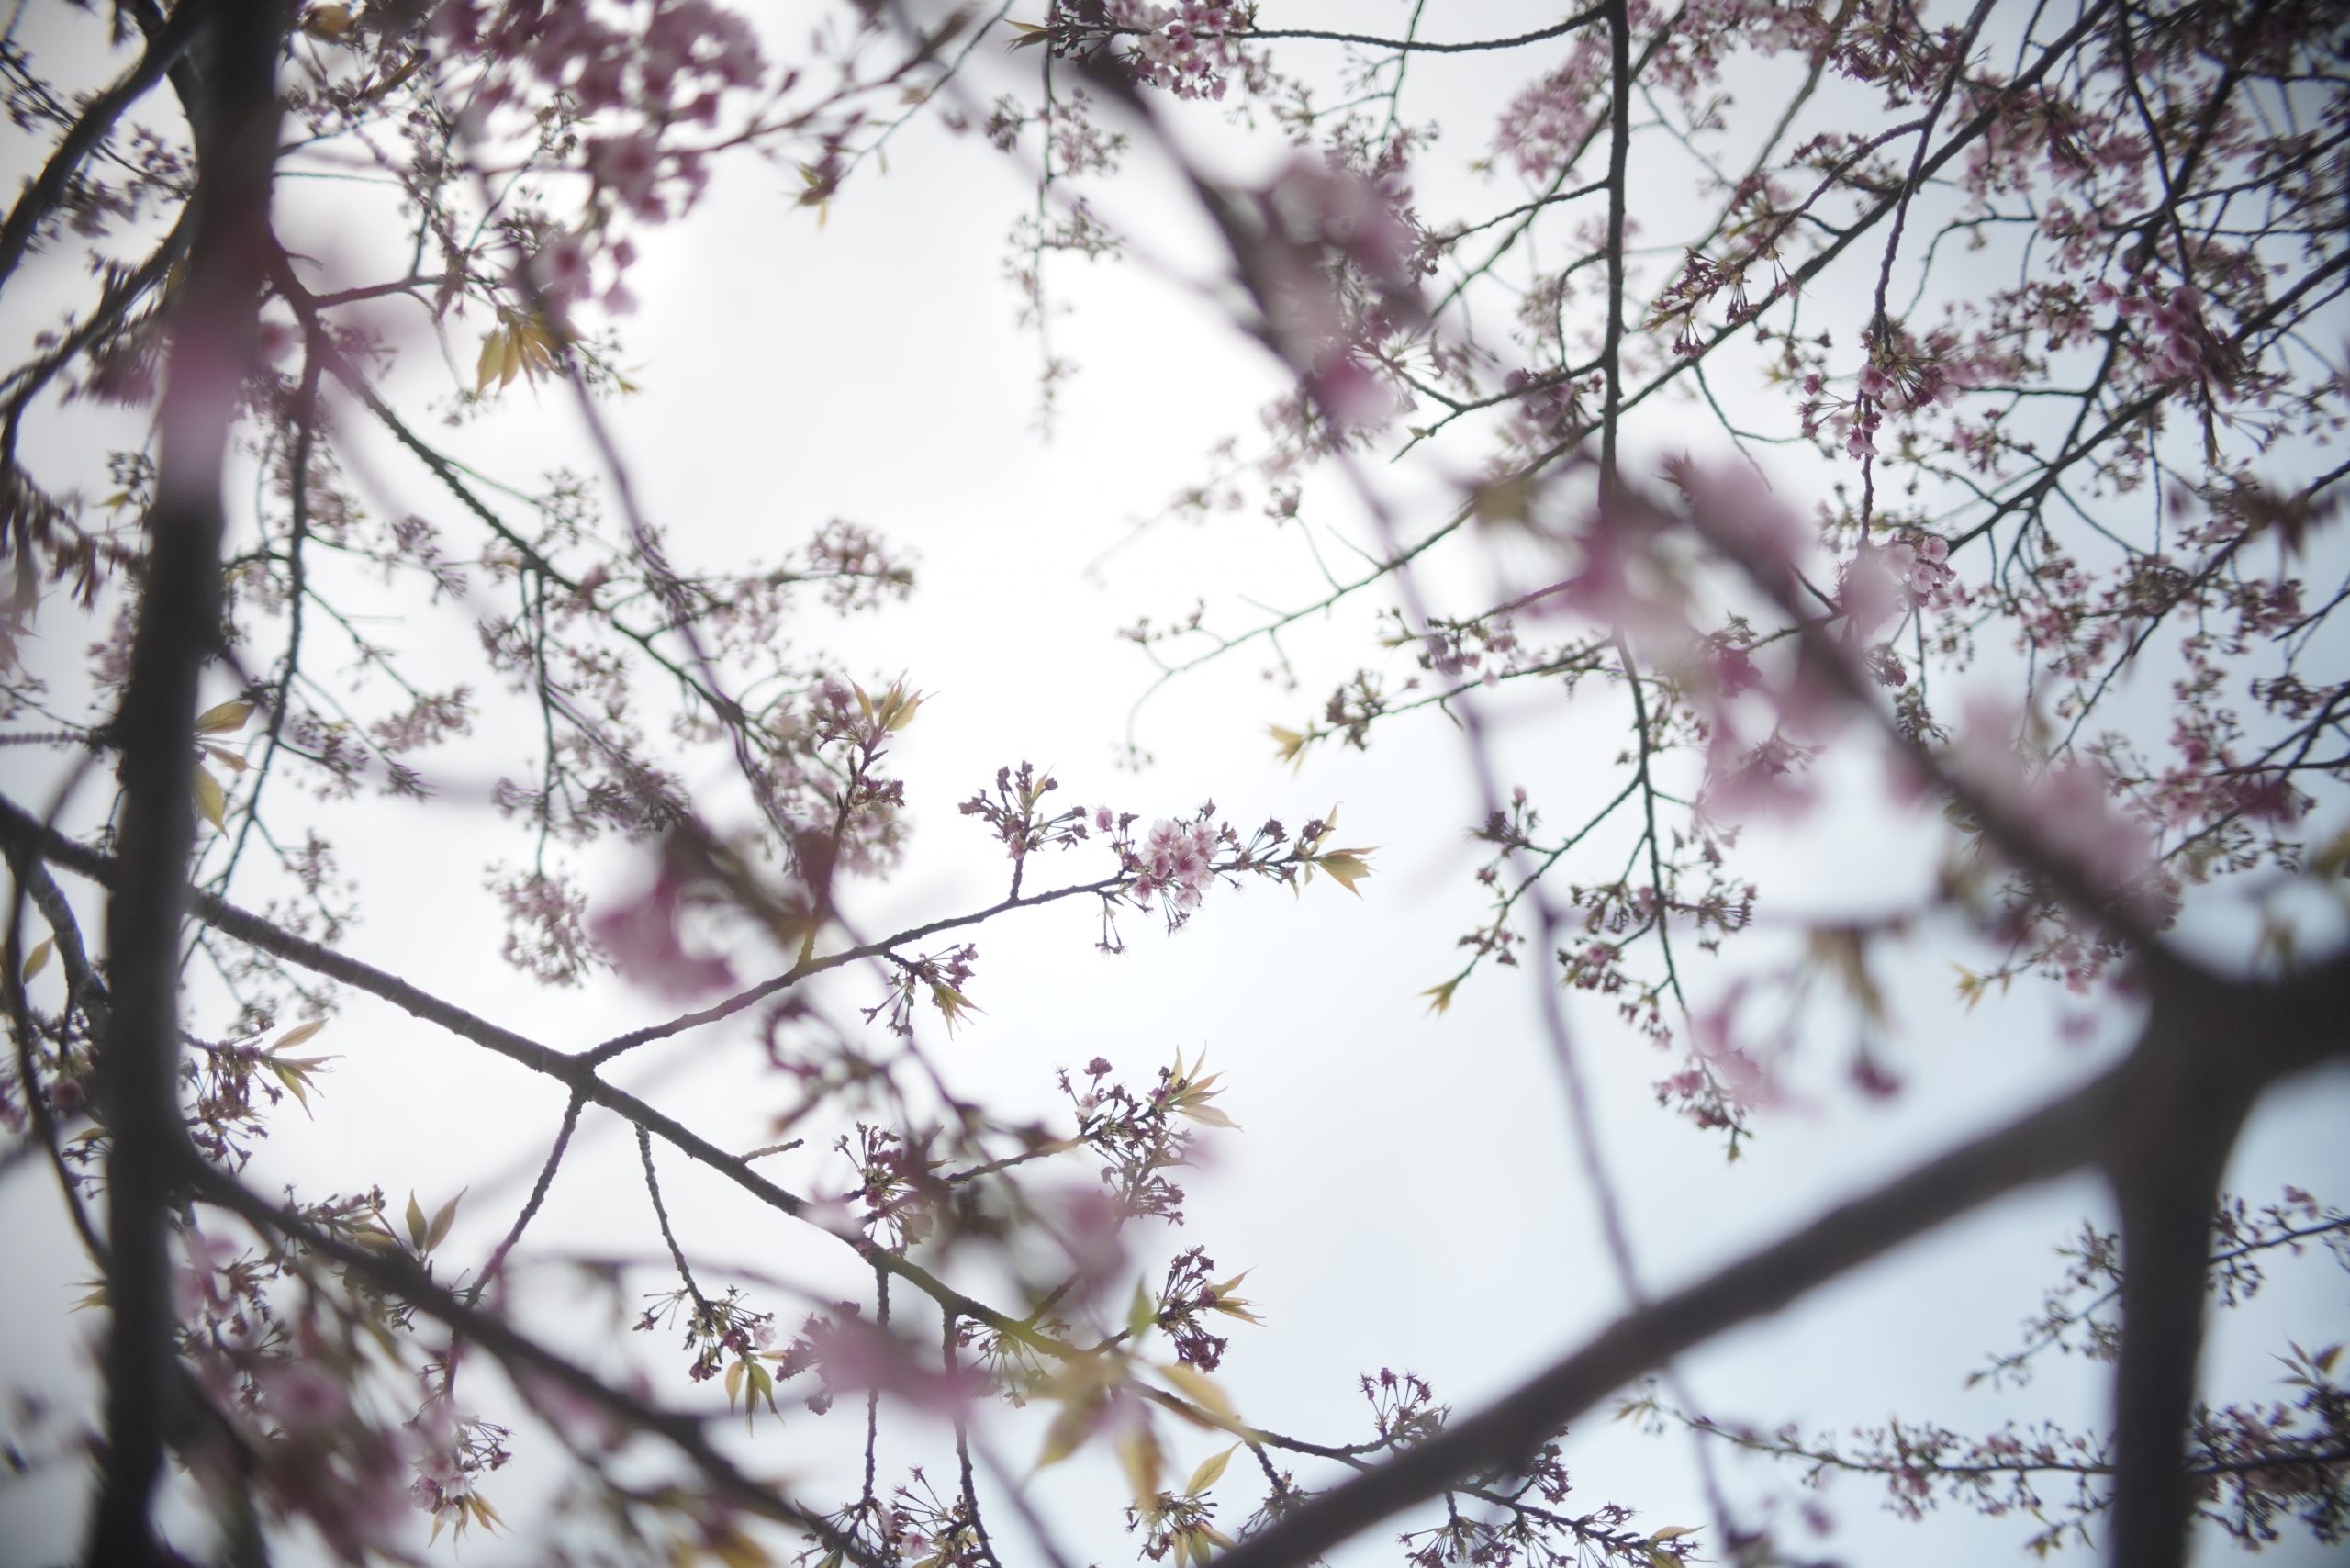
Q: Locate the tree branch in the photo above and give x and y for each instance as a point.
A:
(2038, 1146)
(41, 197)
(576, 1072)
(1421, 46)
(396, 1273)
(214, 330)
(2194, 1047)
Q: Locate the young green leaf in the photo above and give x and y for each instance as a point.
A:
(297, 1081)
(952, 1004)
(224, 718)
(1210, 1470)
(1070, 1426)
(1346, 868)
(1232, 1305)
(1200, 1388)
(898, 707)
(762, 1388)
(1141, 1313)
(438, 1231)
(211, 801)
(492, 363)
(1140, 1452)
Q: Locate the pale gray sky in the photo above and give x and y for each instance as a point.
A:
(1403, 1190)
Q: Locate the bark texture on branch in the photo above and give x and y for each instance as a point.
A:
(214, 326)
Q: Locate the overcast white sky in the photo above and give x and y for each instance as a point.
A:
(1404, 1189)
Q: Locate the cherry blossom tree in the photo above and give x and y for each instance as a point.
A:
(1962, 428)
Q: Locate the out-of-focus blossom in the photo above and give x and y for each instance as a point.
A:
(854, 1355)
(1736, 507)
(2069, 807)
(644, 939)
(302, 1395)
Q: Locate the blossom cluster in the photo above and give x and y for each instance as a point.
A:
(1333, 259)
(2176, 343)
(674, 66)
(1549, 124)
(1186, 49)
(1175, 862)
(1882, 580)
(637, 82)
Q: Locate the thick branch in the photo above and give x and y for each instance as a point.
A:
(179, 626)
(2198, 1046)
(2040, 1147)
(2172, 1149)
